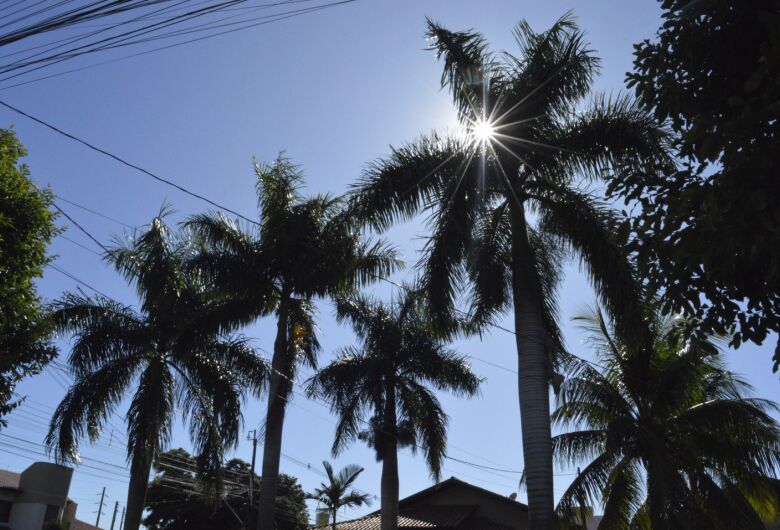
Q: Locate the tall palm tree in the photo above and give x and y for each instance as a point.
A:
(336, 495)
(300, 249)
(668, 435)
(167, 355)
(504, 203)
(379, 389)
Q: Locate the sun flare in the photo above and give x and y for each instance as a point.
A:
(483, 131)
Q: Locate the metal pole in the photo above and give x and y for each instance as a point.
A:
(122, 521)
(100, 508)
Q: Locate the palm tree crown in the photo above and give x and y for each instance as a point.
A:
(380, 390)
(670, 439)
(300, 249)
(336, 494)
(504, 203)
(168, 354)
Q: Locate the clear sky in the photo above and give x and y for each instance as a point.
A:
(333, 89)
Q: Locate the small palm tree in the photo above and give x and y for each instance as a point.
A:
(166, 355)
(335, 495)
(505, 203)
(379, 390)
(301, 248)
(669, 438)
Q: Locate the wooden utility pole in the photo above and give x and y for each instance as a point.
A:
(100, 508)
(113, 517)
(252, 436)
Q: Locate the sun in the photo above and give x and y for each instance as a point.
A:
(483, 131)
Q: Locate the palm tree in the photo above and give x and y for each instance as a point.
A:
(503, 203)
(386, 379)
(669, 438)
(334, 494)
(300, 249)
(167, 355)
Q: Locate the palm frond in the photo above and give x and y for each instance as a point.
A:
(398, 187)
(611, 135)
(151, 411)
(88, 404)
(468, 66)
(589, 229)
(105, 330)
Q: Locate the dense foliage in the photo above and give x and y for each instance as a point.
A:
(300, 248)
(168, 356)
(508, 202)
(669, 436)
(382, 389)
(177, 500)
(26, 228)
(707, 232)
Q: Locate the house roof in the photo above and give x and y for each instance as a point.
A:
(416, 514)
(450, 482)
(9, 480)
(417, 517)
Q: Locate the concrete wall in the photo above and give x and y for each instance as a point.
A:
(40, 485)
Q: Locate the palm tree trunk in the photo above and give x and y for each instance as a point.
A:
(533, 376)
(279, 390)
(136, 491)
(333, 524)
(390, 484)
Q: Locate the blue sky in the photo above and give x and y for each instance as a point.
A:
(333, 89)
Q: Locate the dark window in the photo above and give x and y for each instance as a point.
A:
(52, 513)
(5, 511)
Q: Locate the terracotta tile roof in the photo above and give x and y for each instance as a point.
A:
(418, 517)
(9, 479)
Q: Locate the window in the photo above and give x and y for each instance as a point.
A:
(5, 511)
(52, 513)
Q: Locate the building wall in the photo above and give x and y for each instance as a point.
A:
(40, 485)
(511, 514)
(27, 516)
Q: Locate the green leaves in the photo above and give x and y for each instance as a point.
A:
(399, 357)
(336, 494)
(702, 236)
(669, 415)
(171, 355)
(26, 228)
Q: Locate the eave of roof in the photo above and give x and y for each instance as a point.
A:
(452, 481)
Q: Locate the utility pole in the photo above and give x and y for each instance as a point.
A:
(100, 508)
(252, 437)
(113, 517)
(122, 521)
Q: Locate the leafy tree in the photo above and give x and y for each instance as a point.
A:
(707, 230)
(668, 435)
(505, 207)
(336, 494)
(301, 248)
(379, 389)
(178, 500)
(167, 355)
(26, 228)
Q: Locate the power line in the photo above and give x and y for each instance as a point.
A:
(95, 212)
(125, 163)
(125, 39)
(78, 225)
(78, 280)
